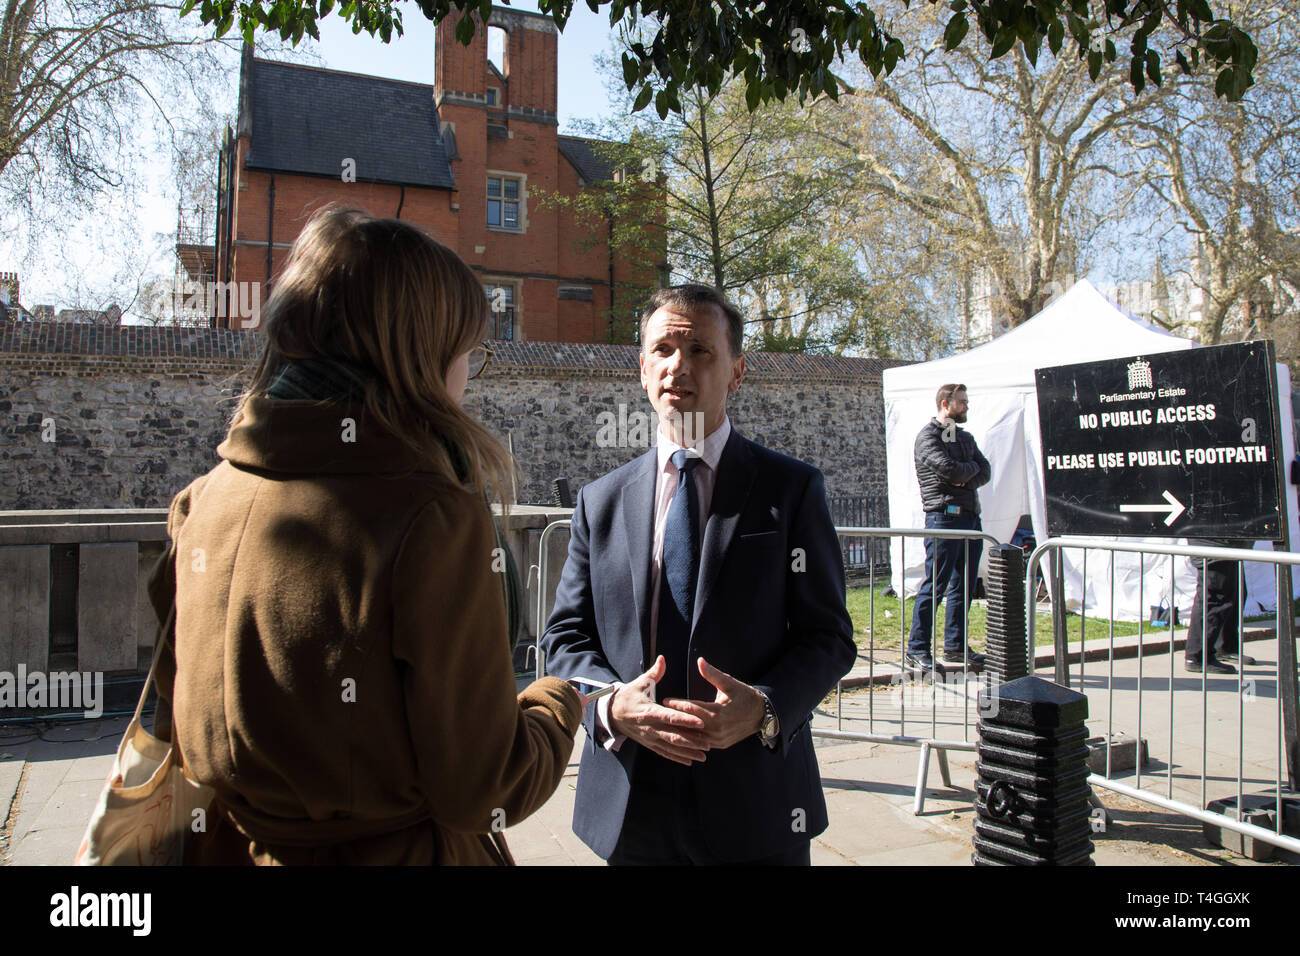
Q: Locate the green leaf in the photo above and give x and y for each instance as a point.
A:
(631, 71)
(1031, 48)
(1055, 37)
(1223, 84)
(1200, 10)
(325, 7)
(1004, 41)
(1242, 80)
(1026, 25)
(661, 104)
(955, 32)
(1079, 30)
(674, 103)
(893, 51)
(753, 93)
(1111, 53)
(643, 98)
(1153, 66)
(1182, 62)
(1094, 63)
(1135, 74)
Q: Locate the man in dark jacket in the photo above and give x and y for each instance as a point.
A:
(1217, 605)
(949, 468)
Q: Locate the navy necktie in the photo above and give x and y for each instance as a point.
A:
(681, 570)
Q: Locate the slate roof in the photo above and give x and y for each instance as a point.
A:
(66, 338)
(582, 153)
(623, 358)
(242, 346)
(306, 119)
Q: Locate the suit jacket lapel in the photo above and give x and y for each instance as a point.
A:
(730, 491)
(637, 505)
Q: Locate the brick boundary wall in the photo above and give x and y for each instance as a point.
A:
(137, 411)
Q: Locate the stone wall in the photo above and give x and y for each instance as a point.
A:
(553, 399)
(103, 417)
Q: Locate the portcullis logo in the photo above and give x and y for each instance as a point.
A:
(1139, 375)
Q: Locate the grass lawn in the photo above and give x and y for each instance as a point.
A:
(888, 627)
(890, 623)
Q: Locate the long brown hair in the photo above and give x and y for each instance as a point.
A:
(383, 295)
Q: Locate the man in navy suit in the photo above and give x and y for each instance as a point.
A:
(705, 580)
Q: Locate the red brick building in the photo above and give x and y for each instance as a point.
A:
(467, 159)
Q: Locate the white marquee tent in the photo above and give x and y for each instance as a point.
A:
(1080, 326)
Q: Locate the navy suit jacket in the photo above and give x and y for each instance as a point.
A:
(769, 610)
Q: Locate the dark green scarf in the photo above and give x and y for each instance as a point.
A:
(326, 380)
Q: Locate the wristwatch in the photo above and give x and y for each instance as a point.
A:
(770, 728)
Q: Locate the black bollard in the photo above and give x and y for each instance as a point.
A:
(1004, 641)
(1031, 798)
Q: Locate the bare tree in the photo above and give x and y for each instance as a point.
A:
(76, 82)
(1004, 166)
(1230, 175)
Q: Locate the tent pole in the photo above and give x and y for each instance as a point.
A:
(1286, 650)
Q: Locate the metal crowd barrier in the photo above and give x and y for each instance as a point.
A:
(543, 587)
(932, 742)
(926, 743)
(1238, 747)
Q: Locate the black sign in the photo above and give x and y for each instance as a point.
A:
(1175, 444)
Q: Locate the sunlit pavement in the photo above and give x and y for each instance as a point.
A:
(49, 783)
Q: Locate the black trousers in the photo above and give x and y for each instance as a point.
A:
(662, 826)
(1216, 591)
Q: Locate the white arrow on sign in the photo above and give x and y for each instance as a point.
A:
(1174, 507)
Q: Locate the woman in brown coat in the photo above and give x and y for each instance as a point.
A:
(342, 670)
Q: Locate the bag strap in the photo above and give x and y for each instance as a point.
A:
(496, 843)
(159, 644)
